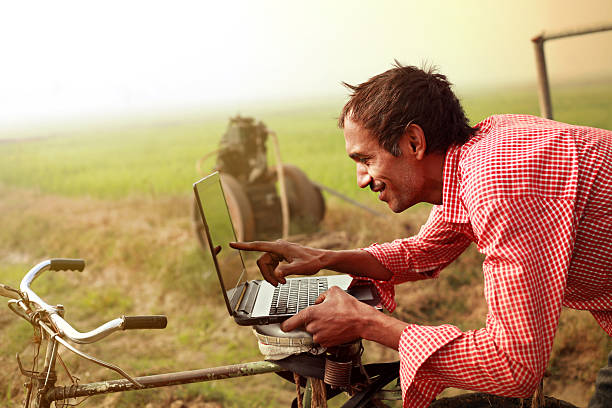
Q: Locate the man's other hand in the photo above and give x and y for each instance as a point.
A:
(336, 318)
(299, 260)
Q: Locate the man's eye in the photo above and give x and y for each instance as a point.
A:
(364, 160)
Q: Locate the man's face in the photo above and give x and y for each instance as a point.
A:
(398, 180)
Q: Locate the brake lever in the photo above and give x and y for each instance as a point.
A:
(13, 305)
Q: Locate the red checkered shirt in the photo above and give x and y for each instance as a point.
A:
(536, 197)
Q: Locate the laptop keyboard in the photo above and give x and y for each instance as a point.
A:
(296, 294)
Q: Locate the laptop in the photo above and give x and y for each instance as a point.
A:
(255, 301)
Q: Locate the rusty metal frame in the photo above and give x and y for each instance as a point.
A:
(538, 43)
(60, 393)
(162, 380)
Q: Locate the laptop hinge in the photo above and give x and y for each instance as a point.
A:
(237, 304)
(249, 295)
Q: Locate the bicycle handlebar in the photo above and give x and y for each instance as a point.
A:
(144, 322)
(64, 264)
(122, 323)
(35, 272)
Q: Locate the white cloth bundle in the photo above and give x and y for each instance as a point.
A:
(275, 344)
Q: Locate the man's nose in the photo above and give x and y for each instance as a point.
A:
(363, 178)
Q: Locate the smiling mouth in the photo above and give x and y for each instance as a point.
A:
(377, 187)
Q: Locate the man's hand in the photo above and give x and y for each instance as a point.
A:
(299, 260)
(338, 318)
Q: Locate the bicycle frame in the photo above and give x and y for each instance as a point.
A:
(55, 331)
(46, 391)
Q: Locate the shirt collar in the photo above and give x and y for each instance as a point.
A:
(452, 207)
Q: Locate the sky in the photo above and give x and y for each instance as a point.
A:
(74, 59)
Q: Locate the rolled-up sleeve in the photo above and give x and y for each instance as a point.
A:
(422, 256)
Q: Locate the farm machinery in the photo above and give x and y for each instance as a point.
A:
(265, 202)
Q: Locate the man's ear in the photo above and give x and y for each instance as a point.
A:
(413, 141)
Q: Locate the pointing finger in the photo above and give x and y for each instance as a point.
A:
(261, 246)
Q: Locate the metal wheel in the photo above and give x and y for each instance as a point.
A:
(306, 203)
(239, 208)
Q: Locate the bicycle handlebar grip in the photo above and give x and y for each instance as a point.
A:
(65, 264)
(144, 322)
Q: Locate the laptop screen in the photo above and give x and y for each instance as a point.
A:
(215, 214)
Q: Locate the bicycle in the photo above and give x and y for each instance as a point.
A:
(365, 384)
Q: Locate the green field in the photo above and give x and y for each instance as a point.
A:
(119, 195)
(157, 156)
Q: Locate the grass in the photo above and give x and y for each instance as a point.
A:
(158, 158)
(119, 197)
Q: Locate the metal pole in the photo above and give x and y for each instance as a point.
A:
(543, 87)
(281, 184)
(538, 43)
(576, 32)
(350, 200)
(307, 402)
(163, 380)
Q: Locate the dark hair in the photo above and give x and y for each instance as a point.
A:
(387, 103)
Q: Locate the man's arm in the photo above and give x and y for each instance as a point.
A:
(414, 258)
(422, 256)
(301, 260)
(528, 243)
(385, 265)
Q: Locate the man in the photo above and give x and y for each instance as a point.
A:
(533, 194)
